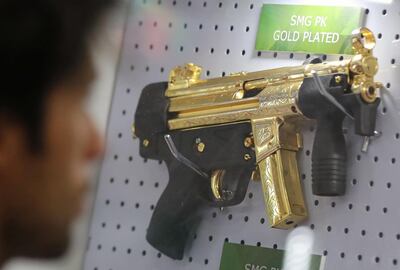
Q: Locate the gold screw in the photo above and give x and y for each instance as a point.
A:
(338, 79)
(248, 142)
(247, 157)
(201, 147)
(146, 142)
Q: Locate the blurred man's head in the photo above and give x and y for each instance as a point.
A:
(46, 138)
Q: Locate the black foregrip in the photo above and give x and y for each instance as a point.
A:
(176, 212)
(329, 149)
(329, 157)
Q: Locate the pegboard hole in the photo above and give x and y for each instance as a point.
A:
(258, 244)
(236, 5)
(354, 182)
(128, 90)
(144, 253)
(220, 5)
(367, 11)
(363, 232)
(227, 51)
(137, 205)
(99, 247)
(367, 208)
(358, 157)
(393, 61)
(379, 35)
(185, 26)
(214, 214)
(251, 6)
(371, 183)
(103, 225)
(216, 27)
(333, 204)
(133, 228)
(118, 226)
(346, 230)
(376, 159)
(243, 52)
(308, 152)
(380, 235)
(388, 185)
(275, 246)
(359, 257)
(329, 228)
(190, 259)
(226, 240)
(384, 12)
(156, 184)
(230, 216)
(181, 48)
(206, 261)
(342, 255)
(128, 251)
(210, 238)
(262, 220)
(397, 136)
(341, 58)
(384, 210)
(242, 242)
(159, 255)
(205, 4)
(325, 253)
(250, 195)
(247, 28)
(384, 110)
(312, 226)
(111, 180)
(152, 207)
(388, 85)
(397, 37)
(246, 219)
(170, 25)
(196, 50)
(394, 262)
(107, 202)
(122, 204)
(190, 3)
(350, 206)
(316, 202)
(393, 160)
(291, 55)
(377, 259)
(114, 249)
(141, 183)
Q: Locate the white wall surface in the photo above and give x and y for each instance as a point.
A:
(106, 55)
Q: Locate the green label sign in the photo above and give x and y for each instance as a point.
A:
(313, 29)
(242, 257)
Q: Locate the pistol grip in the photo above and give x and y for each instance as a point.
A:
(282, 189)
(176, 212)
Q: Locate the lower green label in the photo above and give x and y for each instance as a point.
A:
(243, 257)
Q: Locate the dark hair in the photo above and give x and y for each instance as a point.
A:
(41, 43)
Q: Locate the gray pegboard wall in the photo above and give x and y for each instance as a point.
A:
(358, 231)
